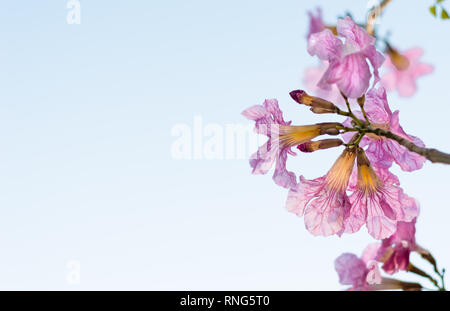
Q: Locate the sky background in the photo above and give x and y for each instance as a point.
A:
(86, 172)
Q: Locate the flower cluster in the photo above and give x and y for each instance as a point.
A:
(359, 189)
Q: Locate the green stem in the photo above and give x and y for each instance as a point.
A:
(365, 115)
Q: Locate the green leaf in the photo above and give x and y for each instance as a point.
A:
(444, 14)
(439, 1)
(433, 10)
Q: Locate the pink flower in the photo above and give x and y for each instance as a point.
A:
(378, 202)
(394, 251)
(323, 201)
(361, 273)
(282, 137)
(348, 67)
(382, 152)
(404, 69)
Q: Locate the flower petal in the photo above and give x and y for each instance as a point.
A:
(354, 74)
(300, 195)
(374, 275)
(399, 260)
(407, 160)
(315, 22)
(325, 45)
(326, 214)
(414, 53)
(255, 112)
(356, 37)
(422, 69)
(370, 252)
(351, 270)
(379, 154)
(262, 160)
(281, 175)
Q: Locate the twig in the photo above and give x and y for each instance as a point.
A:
(373, 15)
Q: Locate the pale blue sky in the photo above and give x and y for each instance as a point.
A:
(86, 172)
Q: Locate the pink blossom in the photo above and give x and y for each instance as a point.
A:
(378, 202)
(323, 201)
(282, 137)
(395, 250)
(348, 67)
(382, 152)
(361, 273)
(404, 70)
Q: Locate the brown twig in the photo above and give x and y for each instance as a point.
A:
(373, 15)
(412, 268)
(433, 155)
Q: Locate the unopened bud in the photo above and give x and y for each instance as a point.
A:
(330, 128)
(332, 132)
(317, 104)
(312, 146)
(321, 110)
(361, 100)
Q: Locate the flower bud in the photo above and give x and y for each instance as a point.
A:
(330, 128)
(317, 104)
(361, 100)
(312, 146)
(320, 110)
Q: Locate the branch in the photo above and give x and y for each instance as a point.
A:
(374, 14)
(433, 155)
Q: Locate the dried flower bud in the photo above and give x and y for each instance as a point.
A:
(312, 146)
(317, 104)
(361, 100)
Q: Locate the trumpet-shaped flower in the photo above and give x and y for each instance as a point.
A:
(382, 152)
(348, 67)
(363, 274)
(323, 201)
(378, 202)
(403, 71)
(282, 137)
